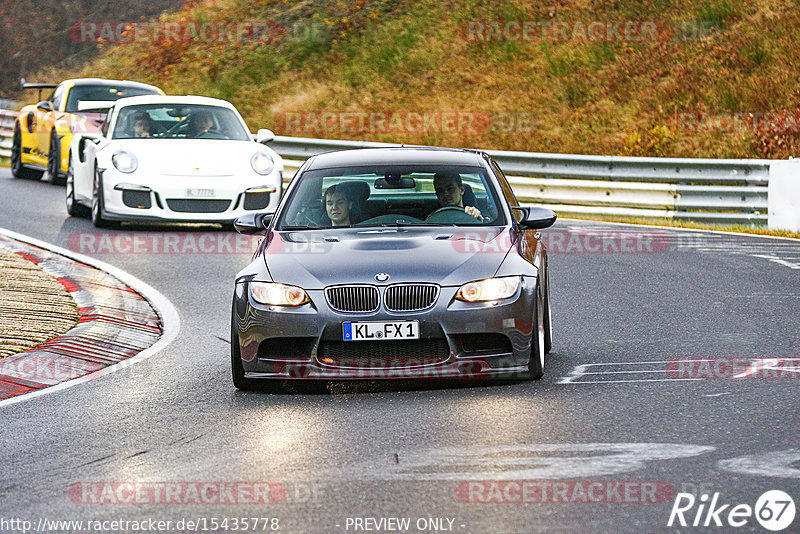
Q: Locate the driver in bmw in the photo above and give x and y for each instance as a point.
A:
(450, 192)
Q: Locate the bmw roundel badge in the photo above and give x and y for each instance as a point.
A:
(381, 277)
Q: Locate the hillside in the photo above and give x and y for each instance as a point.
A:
(35, 37)
(688, 78)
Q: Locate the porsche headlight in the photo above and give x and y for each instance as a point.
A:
(124, 161)
(489, 289)
(277, 294)
(262, 163)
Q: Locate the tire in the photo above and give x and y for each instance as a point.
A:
(18, 170)
(97, 205)
(54, 175)
(73, 208)
(548, 315)
(536, 361)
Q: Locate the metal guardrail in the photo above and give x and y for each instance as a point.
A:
(6, 135)
(725, 191)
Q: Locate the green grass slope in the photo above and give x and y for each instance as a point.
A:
(705, 78)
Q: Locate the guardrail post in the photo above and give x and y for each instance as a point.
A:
(6, 133)
(783, 196)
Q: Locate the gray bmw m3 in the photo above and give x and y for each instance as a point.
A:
(394, 263)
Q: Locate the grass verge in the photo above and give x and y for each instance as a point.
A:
(672, 223)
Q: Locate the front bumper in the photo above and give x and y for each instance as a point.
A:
(457, 339)
(220, 200)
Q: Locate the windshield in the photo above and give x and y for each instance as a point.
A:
(103, 93)
(424, 195)
(179, 121)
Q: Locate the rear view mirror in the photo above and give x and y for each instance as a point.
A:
(395, 181)
(44, 105)
(535, 218)
(178, 112)
(252, 223)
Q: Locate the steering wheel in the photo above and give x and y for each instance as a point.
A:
(451, 215)
(174, 129)
(212, 131)
(446, 208)
(305, 217)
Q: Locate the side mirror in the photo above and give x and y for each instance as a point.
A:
(264, 136)
(44, 105)
(537, 218)
(252, 223)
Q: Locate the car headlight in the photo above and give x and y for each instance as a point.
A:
(124, 161)
(489, 289)
(277, 294)
(262, 163)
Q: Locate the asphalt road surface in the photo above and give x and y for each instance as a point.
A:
(636, 406)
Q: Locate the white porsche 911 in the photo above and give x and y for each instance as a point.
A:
(172, 158)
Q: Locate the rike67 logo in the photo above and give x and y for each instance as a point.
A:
(774, 510)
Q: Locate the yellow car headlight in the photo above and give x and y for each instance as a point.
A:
(277, 294)
(489, 289)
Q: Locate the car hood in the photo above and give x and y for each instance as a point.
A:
(190, 157)
(446, 255)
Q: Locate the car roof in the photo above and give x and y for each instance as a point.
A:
(396, 156)
(109, 83)
(161, 99)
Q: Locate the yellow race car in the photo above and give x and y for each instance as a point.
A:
(43, 132)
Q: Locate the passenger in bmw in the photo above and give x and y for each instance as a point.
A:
(450, 192)
(338, 206)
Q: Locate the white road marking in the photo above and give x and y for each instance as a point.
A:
(770, 464)
(780, 250)
(766, 364)
(581, 371)
(584, 373)
(170, 320)
(776, 259)
(524, 462)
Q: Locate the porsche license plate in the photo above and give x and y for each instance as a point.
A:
(200, 193)
(379, 331)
